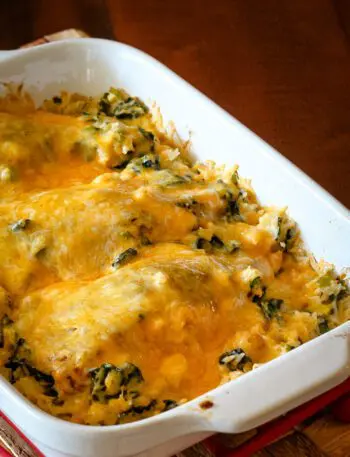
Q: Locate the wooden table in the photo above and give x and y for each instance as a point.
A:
(281, 67)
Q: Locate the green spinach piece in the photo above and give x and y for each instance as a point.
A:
(236, 359)
(124, 257)
(99, 391)
(202, 243)
(257, 290)
(104, 105)
(169, 179)
(57, 100)
(136, 410)
(20, 367)
(131, 108)
(20, 225)
(148, 135)
(271, 307)
(232, 207)
(216, 243)
(151, 161)
(323, 326)
(16, 363)
(4, 322)
(110, 381)
(169, 404)
(289, 239)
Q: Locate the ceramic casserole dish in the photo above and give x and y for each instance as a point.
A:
(89, 66)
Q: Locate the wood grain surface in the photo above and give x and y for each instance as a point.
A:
(282, 67)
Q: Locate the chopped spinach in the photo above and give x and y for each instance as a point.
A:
(169, 404)
(279, 227)
(257, 290)
(43, 378)
(236, 359)
(20, 367)
(16, 362)
(323, 326)
(148, 135)
(202, 243)
(145, 241)
(4, 322)
(169, 179)
(57, 100)
(131, 108)
(271, 307)
(114, 103)
(257, 298)
(232, 207)
(289, 239)
(177, 179)
(50, 391)
(151, 161)
(285, 233)
(330, 299)
(255, 283)
(136, 410)
(110, 381)
(139, 409)
(124, 257)
(20, 225)
(215, 243)
(131, 374)
(121, 165)
(344, 292)
(99, 391)
(104, 105)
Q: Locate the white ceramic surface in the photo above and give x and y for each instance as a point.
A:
(90, 66)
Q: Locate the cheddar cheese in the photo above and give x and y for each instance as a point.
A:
(133, 279)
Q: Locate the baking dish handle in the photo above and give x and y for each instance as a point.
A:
(280, 386)
(274, 430)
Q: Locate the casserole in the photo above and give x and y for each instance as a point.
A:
(90, 66)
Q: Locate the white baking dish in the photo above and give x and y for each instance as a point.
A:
(90, 66)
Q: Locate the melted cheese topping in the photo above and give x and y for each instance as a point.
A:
(131, 279)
